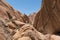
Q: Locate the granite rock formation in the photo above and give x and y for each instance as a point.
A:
(47, 20)
(41, 26)
(10, 20)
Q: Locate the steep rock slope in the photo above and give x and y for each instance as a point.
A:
(47, 20)
(10, 20)
(25, 18)
(31, 17)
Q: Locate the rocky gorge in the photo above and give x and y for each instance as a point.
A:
(43, 25)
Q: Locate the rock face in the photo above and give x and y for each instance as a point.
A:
(25, 18)
(9, 13)
(26, 31)
(31, 17)
(47, 20)
(17, 26)
(10, 20)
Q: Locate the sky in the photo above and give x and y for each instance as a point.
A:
(25, 6)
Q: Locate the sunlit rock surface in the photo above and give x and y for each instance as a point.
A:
(44, 25)
(47, 20)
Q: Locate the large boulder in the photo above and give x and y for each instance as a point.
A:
(24, 38)
(27, 32)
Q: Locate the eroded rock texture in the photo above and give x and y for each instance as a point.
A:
(17, 26)
(28, 32)
(10, 20)
(47, 20)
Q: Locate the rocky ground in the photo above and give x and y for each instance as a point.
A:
(44, 25)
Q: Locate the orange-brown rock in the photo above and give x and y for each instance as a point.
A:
(47, 20)
(16, 26)
(25, 18)
(24, 38)
(9, 12)
(4, 34)
(8, 18)
(27, 31)
(31, 17)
